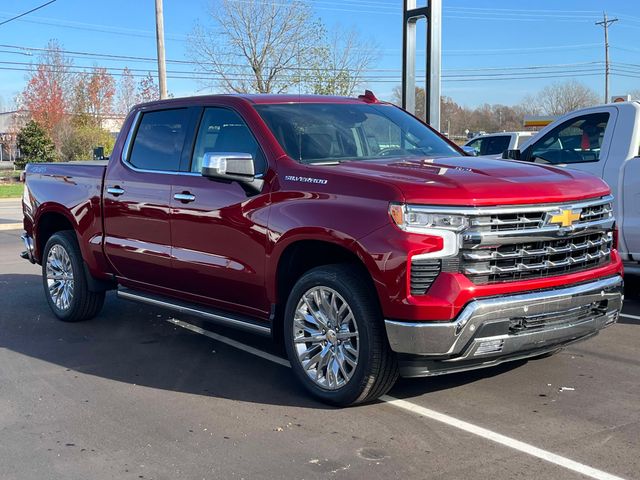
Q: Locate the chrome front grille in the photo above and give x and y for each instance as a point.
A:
(528, 242)
(533, 218)
(537, 259)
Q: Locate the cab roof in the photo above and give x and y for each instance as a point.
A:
(263, 99)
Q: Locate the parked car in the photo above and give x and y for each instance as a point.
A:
(603, 141)
(345, 228)
(497, 143)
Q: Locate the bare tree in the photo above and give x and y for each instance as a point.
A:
(256, 46)
(340, 63)
(126, 96)
(148, 89)
(563, 97)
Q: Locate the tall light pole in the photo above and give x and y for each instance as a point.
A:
(162, 66)
(432, 13)
(605, 23)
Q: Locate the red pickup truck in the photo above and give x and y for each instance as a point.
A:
(345, 228)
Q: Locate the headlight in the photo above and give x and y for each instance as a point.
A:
(420, 219)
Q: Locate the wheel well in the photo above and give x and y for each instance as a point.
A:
(300, 257)
(49, 224)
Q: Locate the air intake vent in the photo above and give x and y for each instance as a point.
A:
(423, 274)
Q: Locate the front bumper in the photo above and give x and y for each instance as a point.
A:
(493, 330)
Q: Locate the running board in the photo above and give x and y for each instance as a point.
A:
(216, 316)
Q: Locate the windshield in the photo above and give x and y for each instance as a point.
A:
(330, 132)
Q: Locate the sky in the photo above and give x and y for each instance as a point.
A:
(491, 48)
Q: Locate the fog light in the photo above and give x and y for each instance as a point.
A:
(489, 346)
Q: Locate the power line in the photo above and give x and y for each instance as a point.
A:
(27, 13)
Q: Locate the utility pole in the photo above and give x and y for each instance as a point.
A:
(162, 66)
(605, 23)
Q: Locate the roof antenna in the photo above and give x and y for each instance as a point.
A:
(369, 97)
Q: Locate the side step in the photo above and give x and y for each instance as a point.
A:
(216, 316)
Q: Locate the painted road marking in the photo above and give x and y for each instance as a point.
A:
(501, 439)
(428, 413)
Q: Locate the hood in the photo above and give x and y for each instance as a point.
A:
(478, 181)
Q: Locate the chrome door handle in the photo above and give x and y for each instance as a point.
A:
(115, 191)
(184, 197)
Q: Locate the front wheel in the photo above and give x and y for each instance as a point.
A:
(65, 284)
(335, 338)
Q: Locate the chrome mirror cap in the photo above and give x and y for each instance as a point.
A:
(470, 151)
(228, 165)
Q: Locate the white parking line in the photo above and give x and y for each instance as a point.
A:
(501, 439)
(635, 317)
(428, 413)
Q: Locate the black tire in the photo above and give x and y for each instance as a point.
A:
(83, 304)
(376, 370)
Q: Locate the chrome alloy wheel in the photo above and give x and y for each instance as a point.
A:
(325, 336)
(60, 277)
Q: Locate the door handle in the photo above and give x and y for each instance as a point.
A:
(184, 197)
(115, 191)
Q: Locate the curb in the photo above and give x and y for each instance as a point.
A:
(10, 226)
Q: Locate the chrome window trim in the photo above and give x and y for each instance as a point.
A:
(497, 210)
(128, 145)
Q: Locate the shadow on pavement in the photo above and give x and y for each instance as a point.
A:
(135, 344)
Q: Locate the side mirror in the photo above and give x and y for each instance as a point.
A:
(512, 154)
(228, 166)
(472, 152)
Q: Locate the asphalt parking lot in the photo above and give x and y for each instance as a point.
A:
(132, 395)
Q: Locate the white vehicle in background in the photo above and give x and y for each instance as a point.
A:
(604, 141)
(496, 143)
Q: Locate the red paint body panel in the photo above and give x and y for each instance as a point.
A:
(223, 249)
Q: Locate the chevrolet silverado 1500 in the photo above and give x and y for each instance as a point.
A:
(345, 228)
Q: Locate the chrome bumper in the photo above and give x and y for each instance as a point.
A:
(489, 331)
(28, 253)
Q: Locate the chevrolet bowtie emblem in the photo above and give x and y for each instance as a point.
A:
(565, 218)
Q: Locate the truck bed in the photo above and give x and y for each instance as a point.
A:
(66, 191)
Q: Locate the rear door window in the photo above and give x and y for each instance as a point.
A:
(159, 140)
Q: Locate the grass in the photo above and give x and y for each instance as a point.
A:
(11, 190)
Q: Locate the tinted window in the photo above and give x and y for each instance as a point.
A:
(495, 145)
(321, 132)
(223, 131)
(159, 140)
(578, 140)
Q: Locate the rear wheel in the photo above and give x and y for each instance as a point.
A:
(65, 284)
(335, 339)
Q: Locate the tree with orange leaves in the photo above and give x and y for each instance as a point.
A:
(101, 90)
(44, 98)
